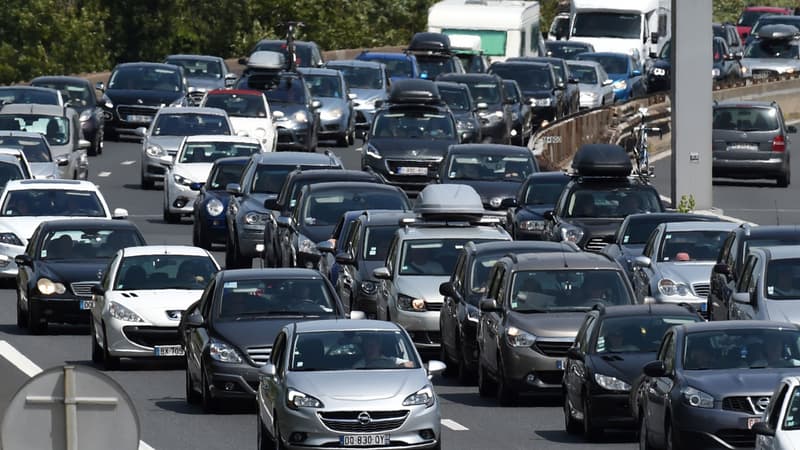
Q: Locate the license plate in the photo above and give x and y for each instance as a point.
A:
(412, 170)
(364, 440)
(168, 350)
(560, 364)
(87, 304)
(752, 421)
(703, 307)
(760, 75)
(136, 118)
(744, 147)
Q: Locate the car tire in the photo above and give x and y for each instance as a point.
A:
(265, 441)
(572, 425)
(97, 351)
(465, 376)
(505, 395)
(237, 260)
(22, 318)
(644, 439)
(171, 217)
(590, 432)
(486, 386)
(210, 404)
(147, 185)
(343, 140)
(110, 362)
(192, 396)
(784, 179)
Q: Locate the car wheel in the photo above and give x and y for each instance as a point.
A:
(486, 386)
(199, 239)
(465, 376)
(783, 180)
(210, 403)
(265, 441)
(343, 140)
(171, 217)
(92, 150)
(505, 395)
(22, 318)
(192, 396)
(110, 362)
(590, 432)
(570, 424)
(97, 351)
(229, 260)
(240, 261)
(147, 184)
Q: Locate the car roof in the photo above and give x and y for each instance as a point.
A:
(744, 104)
(85, 223)
(344, 325)
(466, 233)
(281, 273)
(493, 149)
(299, 158)
(74, 185)
(147, 64)
(769, 230)
(699, 226)
(517, 247)
(465, 77)
(722, 325)
(387, 55)
(61, 78)
(674, 215)
(146, 250)
(197, 57)
(192, 110)
(522, 64)
(555, 175)
(781, 251)
(318, 71)
(36, 108)
(339, 175)
(336, 185)
(222, 138)
(354, 63)
(656, 309)
(382, 217)
(564, 260)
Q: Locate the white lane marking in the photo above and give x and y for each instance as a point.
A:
(104, 174)
(29, 368)
(128, 163)
(453, 425)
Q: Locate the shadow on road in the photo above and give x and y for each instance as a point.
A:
(609, 437)
(472, 398)
(180, 406)
(52, 330)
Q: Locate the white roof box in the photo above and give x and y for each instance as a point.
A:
(465, 42)
(266, 60)
(449, 201)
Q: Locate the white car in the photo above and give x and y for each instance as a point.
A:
(192, 164)
(141, 299)
(779, 428)
(248, 111)
(24, 204)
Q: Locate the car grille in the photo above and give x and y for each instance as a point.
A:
(123, 111)
(152, 336)
(701, 289)
(83, 288)
(555, 349)
(259, 355)
(738, 438)
(395, 165)
(433, 306)
(748, 405)
(196, 97)
(363, 421)
(760, 74)
(596, 244)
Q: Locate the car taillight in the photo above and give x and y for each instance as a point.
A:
(779, 144)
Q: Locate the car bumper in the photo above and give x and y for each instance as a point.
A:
(130, 340)
(423, 327)
(231, 381)
(249, 238)
(713, 428)
(180, 199)
(330, 128)
(761, 168)
(526, 369)
(495, 131)
(587, 102)
(411, 184)
(611, 410)
(66, 309)
(8, 268)
(215, 228)
(293, 138)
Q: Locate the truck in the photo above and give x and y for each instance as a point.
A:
(507, 28)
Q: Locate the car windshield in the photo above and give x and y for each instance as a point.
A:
(564, 50)
(607, 25)
(55, 129)
(753, 243)
(493, 167)
(190, 124)
(288, 90)
(27, 96)
(238, 105)
(638, 230)
(611, 202)
(479, 277)
(326, 207)
(584, 74)
(414, 125)
(269, 178)
(223, 175)
(77, 94)
(747, 118)
(749, 17)
(324, 85)
(431, 257)
(484, 92)
(208, 152)
(692, 245)
(53, 202)
(35, 150)
(612, 64)
(433, 66)
(511, 90)
(163, 271)
(455, 99)
(791, 420)
(636, 333)
(528, 77)
(783, 279)
(376, 239)
(535, 291)
(544, 192)
(361, 77)
(87, 243)
(742, 348)
(772, 49)
(401, 68)
(146, 78)
(199, 68)
(9, 171)
(264, 297)
(353, 350)
(302, 52)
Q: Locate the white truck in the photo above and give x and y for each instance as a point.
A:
(506, 28)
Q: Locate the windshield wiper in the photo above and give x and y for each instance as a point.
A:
(265, 315)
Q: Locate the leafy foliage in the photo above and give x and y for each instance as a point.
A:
(729, 10)
(686, 204)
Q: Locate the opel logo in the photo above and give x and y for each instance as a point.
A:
(744, 135)
(364, 418)
(414, 153)
(140, 101)
(762, 403)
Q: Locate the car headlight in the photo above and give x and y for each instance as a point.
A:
(697, 398)
(47, 286)
(620, 84)
(407, 303)
(223, 352)
(789, 70)
(214, 207)
(611, 383)
(120, 312)
(465, 125)
(259, 133)
(532, 225)
(105, 101)
(155, 150)
(279, 115)
(296, 399)
(423, 396)
(373, 152)
(369, 287)
(571, 234)
(10, 239)
(715, 72)
(181, 180)
(332, 114)
(519, 338)
(669, 287)
(491, 115)
(659, 72)
(744, 70)
(254, 218)
(300, 116)
(369, 103)
(541, 102)
(85, 115)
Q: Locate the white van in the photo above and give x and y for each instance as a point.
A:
(506, 28)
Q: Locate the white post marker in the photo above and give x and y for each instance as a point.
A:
(453, 425)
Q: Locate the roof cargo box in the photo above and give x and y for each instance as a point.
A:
(430, 42)
(449, 202)
(778, 31)
(414, 91)
(602, 160)
(266, 60)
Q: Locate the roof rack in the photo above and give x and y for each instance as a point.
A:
(414, 91)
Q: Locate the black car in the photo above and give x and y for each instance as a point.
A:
(307, 53)
(540, 86)
(730, 262)
(409, 136)
(521, 114)
(727, 62)
(712, 381)
(612, 346)
(458, 98)
(209, 225)
(285, 202)
(566, 49)
(658, 69)
(728, 33)
(135, 93)
(434, 55)
(79, 94)
(601, 194)
(563, 76)
(229, 333)
(490, 96)
(318, 209)
(62, 262)
(261, 180)
(458, 319)
(537, 195)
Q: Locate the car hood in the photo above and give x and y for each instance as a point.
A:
(255, 202)
(169, 143)
(632, 250)
(625, 366)
(425, 287)
(205, 84)
(598, 227)
(137, 97)
(548, 325)
(737, 382)
(197, 172)
(492, 189)
(359, 385)
(24, 227)
(365, 268)
(251, 333)
(44, 170)
(151, 304)
(251, 123)
(780, 65)
(402, 148)
(688, 272)
(71, 270)
(783, 310)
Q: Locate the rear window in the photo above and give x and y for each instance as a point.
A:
(528, 78)
(746, 119)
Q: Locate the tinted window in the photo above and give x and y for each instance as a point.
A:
(414, 125)
(196, 68)
(783, 279)
(190, 125)
(9, 171)
(361, 77)
(456, 99)
(238, 105)
(484, 92)
(742, 348)
(431, 257)
(544, 192)
(640, 229)
(376, 240)
(87, 243)
(208, 152)
(55, 129)
(269, 178)
(164, 272)
(636, 333)
(145, 78)
(324, 85)
(749, 17)
(607, 25)
(35, 150)
(566, 290)
(27, 96)
(479, 278)
(753, 243)
(692, 245)
(584, 74)
(225, 174)
(529, 78)
(402, 68)
(53, 202)
(433, 66)
(325, 208)
(353, 350)
(266, 297)
(511, 91)
(746, 119)
(613, 202)
(791, 420)
(77, 94)
(489, 167)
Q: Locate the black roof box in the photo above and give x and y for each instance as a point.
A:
(778, 31)
(414, 91)
(430, 42)
(602, 160)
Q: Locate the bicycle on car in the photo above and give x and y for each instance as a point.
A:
(641, 155)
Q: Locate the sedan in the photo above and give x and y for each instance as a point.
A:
(337, 119)
(593, 82)
(248, 112)
(37, 152)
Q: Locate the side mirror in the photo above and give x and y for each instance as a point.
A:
(325, 247)
(83, 144)
(548, 215)
(278, 115)
(559, 87)
(345, 258)
(234, 189)
(119, 213)
(574, 353)
(352, 95)
(382, 273)
(97, 289)
(791, 129)
(316, 104)
(489, 305)
(357, 315)
(722, 269)
(636, 73)
(141, 131)
(100, 86)
(285, 221)
(267, 370)
(655, 369)
(608, 82)
(744, 298)
(435, 367)
(447, 289)
(763, 428)
(574, 81)
(641, 261)
(195, 320)
(23, 260)
(509, 202)
(482, 106)
(271, 204)
(196, 186)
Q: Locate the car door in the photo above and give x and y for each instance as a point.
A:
(773, 417)
(657, 390)
(106, 284)
(493, 326)
(348, 272)
(723, 281)
(385, 286)
(196, 338)
(272, 387)
(575, 369)
(747, 282)
(448, 316)
(642, 275)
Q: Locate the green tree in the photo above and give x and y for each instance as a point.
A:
(729, 10)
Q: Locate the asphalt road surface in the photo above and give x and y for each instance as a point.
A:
(157, 387)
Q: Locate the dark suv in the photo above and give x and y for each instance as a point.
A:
(539, 85)
(434, 55)
(572, 92)
(490, 95)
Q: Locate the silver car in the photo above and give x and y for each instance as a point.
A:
(593, 83)
(37, 153)
(769, 287)
(347, 383)
(675, 265)
(775, 52)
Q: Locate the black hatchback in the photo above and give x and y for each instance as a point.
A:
(490, 96)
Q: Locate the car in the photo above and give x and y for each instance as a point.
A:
(728, 33)
(319, 207)
(521, 114)
(537, 195)
(248, 111)
(777, 428)
(434, 55)
(593, 83)
(766, 288)
(336, 114)
(307, 53)
(63, 260)
(135, 93)
(368, 82)
(571, 92)
(540, 86)
(328, 266)
(203, 73)
(28, 203)
(208, 209)
(751, 14)
(262, 179)
(658, 69)
(769, 20)
(612, 346)
(676, 262)
(11, 169)
(458, 98)
(530, 315)
(727, 271)
(727, 62)
(495, 171)
(141, 298)
(409, 136)
(458, 319)
(229, 334)
(597, 199)
(30, 95)
(162, 139)
(36, 151)
(751, 140)
(322, 379)
(567, 49)
(60, 126)
(496, 120)
(422, 255)
(398, 65)
(79, 94)
(775, 52)
(192, 164)
(624, 71)
(721, 376)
